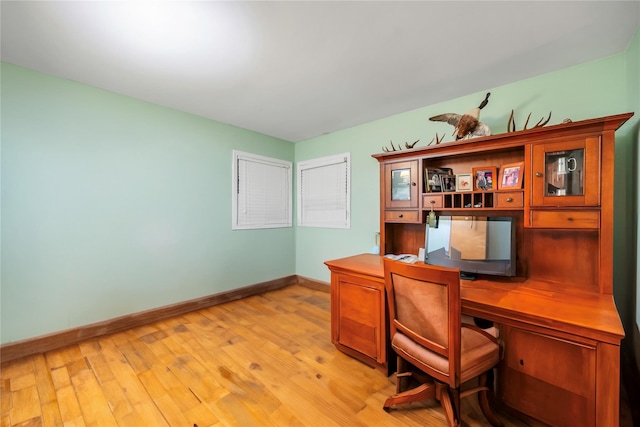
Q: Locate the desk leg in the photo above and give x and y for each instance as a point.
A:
(608, 385)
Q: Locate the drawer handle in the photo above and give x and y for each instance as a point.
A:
(413, 184)
(509, 199)
(400, 216)
(432, 201)
(538, 174)
(521, 362)
(569, 219)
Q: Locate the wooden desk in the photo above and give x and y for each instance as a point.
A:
(561, 349)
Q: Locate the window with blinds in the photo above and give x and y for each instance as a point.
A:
(324, 190)
(262, 192)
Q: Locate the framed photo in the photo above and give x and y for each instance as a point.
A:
(464, 182)
(511, 176)
(433, 181)
(432, 178)
(484, 178)
(448, 182)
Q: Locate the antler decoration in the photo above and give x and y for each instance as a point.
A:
(511, 124)
(406, 144)
(393, 147)
(437, 139)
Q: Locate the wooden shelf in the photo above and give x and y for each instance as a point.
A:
(474, 200)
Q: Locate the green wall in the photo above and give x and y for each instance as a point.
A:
(111, 206)
(587, 91)
(625, 238)
(590, 90)
(633, 79)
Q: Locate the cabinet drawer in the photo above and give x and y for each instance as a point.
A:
(565, 219)
(432, 201)
(550, 379)
(510, 200)
(402, 216)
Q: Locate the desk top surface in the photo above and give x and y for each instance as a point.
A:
(517, 300)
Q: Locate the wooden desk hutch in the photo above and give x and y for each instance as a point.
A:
(558, 321)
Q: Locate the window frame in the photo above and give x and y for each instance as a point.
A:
(237, 187)
(319, 163)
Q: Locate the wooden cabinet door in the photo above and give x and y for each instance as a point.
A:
(550, 379)
(401, 184)
(361, 316)
(566, 173)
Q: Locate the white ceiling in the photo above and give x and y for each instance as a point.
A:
(295, 70)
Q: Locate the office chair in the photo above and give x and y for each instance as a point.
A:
(429, 338)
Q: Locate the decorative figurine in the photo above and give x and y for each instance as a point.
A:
(467, 125)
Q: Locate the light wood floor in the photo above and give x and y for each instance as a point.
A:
(265, 360)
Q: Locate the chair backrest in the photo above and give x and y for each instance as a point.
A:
(424, 305)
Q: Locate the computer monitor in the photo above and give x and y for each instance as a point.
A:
(474, 244)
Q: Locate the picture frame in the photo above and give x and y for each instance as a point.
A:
(511, 176)
(464, 182)
(448, 183)
(485, 178)
(432, 179)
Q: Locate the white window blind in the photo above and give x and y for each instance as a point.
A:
(261, 192)
(324, 192)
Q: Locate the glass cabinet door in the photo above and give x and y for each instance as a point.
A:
(566, 173)
(401, 181)
(401, 184)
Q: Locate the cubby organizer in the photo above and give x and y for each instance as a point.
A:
(503, 200)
